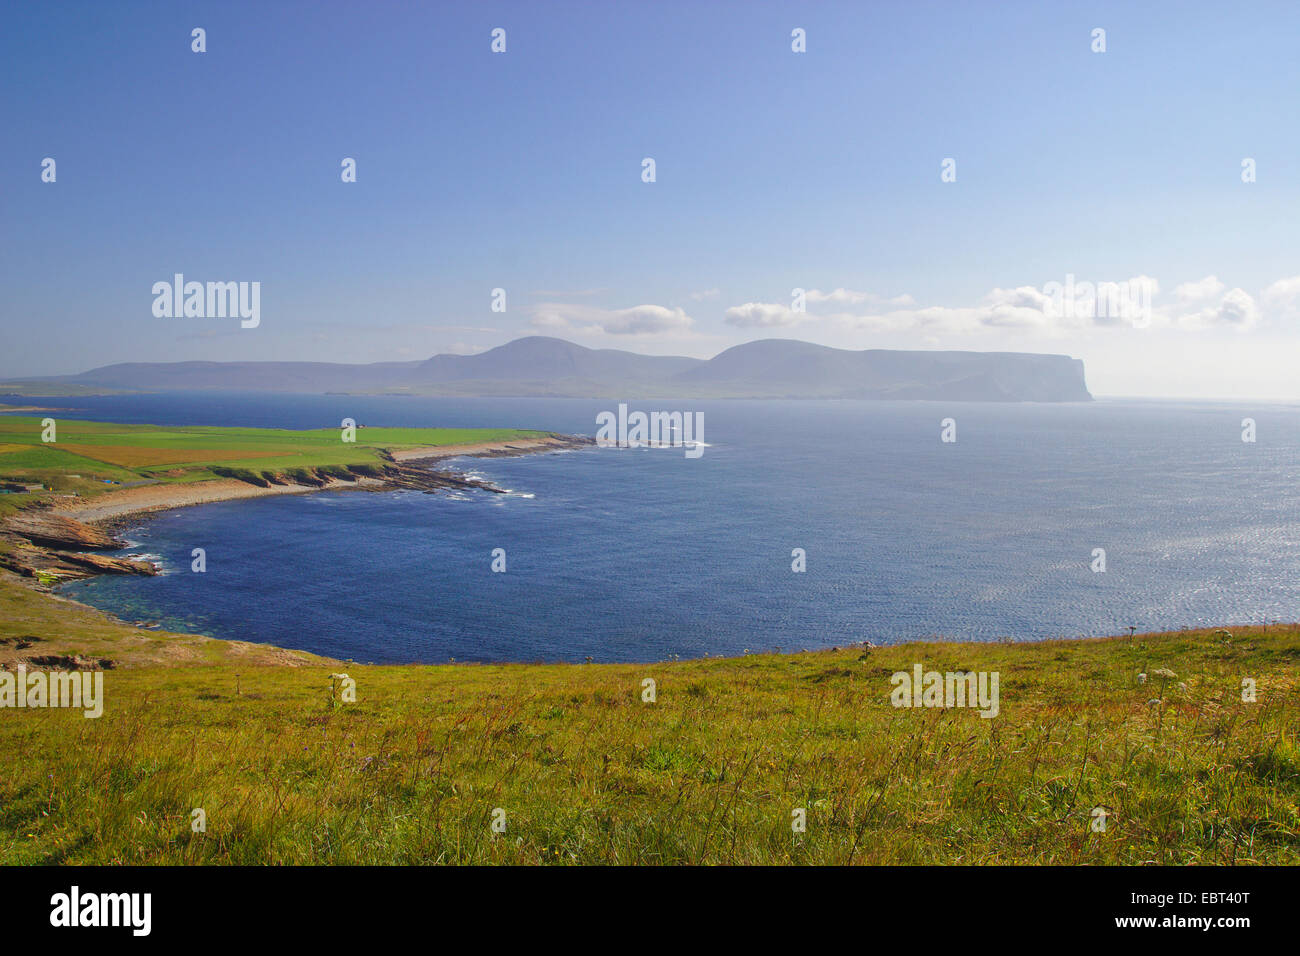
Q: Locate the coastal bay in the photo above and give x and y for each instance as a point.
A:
(304, 588)
(122, 471)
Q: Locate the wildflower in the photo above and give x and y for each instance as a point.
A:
(1165, 673)
(1142, 678)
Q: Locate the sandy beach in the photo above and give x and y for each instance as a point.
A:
(129, 501)
(160, 497)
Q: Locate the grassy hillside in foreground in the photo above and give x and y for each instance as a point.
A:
(93, 451)
(709, 773)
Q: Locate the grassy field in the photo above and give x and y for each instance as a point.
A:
(587, 772)
(104, 449)
(87, 454)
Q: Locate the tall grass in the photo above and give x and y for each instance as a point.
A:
(709, 773)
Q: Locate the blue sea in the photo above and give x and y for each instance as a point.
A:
(646, 554)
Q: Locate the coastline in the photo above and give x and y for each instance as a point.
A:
(128, 502)
(63, 539)
(499, 449)
(114, 506)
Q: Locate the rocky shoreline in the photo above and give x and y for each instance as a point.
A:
(50, 542)
(51, 548)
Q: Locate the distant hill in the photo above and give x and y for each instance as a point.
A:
(543, 366)
(255, 376)
(783, 368)
(539, 365)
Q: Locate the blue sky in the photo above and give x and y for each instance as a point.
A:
(775, 170)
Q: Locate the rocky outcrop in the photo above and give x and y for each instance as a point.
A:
(103, 564)
(45, 528)
(49, 565)
(409, 468)
(46, 546)
(417, 472)
(423, 479)
(553, 443)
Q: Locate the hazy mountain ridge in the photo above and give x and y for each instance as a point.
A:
(255, 376)
(543, 366)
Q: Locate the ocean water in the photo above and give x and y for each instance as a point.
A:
(645, 554)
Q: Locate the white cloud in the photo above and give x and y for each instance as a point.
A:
(838, 296)
(588, 320)
(1054, 309)
(1235, 309)
(1209, 304)
(764, 315)
(769, 315)
(1200, 291)
(1024, 307)
(1282, 299)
